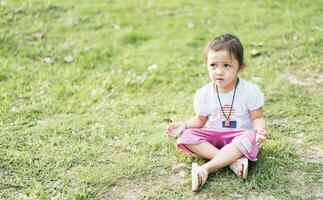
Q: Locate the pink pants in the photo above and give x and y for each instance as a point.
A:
(244, 140)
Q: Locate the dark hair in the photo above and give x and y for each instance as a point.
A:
(227, 42)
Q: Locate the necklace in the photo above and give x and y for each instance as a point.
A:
(227, 118)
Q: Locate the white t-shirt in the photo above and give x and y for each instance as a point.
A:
(248, 97)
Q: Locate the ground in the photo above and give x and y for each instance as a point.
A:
(88, 88)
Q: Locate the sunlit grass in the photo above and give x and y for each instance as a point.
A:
(93, 127)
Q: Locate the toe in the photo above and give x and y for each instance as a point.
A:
(240, 171)
(200, 180)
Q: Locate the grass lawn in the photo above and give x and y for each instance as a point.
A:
(87, 89)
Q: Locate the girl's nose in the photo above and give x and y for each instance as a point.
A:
(219, 72)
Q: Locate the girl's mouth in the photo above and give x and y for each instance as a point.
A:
(219, 80)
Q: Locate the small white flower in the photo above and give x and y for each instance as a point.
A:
(13, 109)
(152, 67)
(68, 59)
(42, 122)
(190, 25)
(48, 60)
(116, 26)
(38, 36)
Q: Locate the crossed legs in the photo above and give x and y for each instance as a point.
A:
(218, 158)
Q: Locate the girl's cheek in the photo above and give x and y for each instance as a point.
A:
(213, 76)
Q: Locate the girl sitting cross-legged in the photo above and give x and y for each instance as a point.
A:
(231, 110)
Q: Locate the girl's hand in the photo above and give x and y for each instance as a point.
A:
(175, 129)
(261, 136)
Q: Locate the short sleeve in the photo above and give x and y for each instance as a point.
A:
(200, 104)
(255, 98)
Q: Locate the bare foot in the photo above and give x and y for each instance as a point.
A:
(240, 167)
(199, 176)
(200, 180)
(240, 170)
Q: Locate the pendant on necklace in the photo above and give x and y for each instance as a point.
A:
(227, 122)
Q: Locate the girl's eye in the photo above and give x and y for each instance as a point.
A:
(227, 65)
(213, 66)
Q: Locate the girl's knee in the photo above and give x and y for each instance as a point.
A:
(202, 151)
(246, 143)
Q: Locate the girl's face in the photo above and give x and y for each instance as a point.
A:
(223, 69)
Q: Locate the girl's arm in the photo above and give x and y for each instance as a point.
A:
(257, 118)
(176, 128)
(196, 122)
(259, 124)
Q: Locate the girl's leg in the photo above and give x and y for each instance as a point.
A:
(207, 151)
(204, 150)
(224, 157)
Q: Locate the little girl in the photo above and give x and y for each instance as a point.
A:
(231, 109)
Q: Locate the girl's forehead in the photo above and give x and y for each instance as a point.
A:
(219, 55)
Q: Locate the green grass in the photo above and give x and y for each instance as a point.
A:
(94, 128)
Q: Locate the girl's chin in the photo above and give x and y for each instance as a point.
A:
(221, 85)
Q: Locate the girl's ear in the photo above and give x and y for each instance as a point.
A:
(241, 67)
